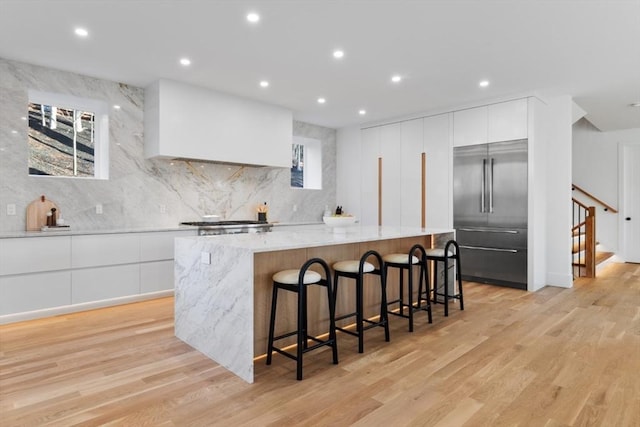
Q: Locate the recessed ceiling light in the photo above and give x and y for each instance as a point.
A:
(185, 61)
(81, 32)
(635, 104)
(23, 118)
(253, 17)
(321, 100)
(396, 78)
(14, 131)
(116, 107)
(362, 112)
(264, 83)
(338, 54)
(484, 83)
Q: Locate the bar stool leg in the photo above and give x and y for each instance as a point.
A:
(301, 336)
(272, 324)
(359, 314)
(410, 296)
(458, 271)
(446, 286)
(332, 320)
(384, 315)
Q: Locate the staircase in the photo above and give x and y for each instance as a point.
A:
(585, 254)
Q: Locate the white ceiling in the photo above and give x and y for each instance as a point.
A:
(589, 49)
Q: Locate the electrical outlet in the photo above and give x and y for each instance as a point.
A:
(163, 209)
(205, 258)
(99, 209)
(11, 209)
(295, 208)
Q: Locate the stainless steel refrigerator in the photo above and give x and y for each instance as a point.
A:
(490, 212)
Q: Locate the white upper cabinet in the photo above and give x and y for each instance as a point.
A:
(470, 127)
(184, 121)
(507, 120)
(437, 146)
(411, 172)
(504, 121)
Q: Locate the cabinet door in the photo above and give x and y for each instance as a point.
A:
(159, 246)
(370, 151)
(390, 146)
(38, 291)
(33, 254)
(95, 284)
(437, 146)
(507, 120)
(105, 249)
(156, 276)
(411, 173)
(470, 127)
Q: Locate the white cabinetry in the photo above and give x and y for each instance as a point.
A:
(437, 147)
(43, 276)
(390, 150)
(410, 167)
(29, 255)
(470, 126)
(507, 121)
(503, 121)
(370, 152)
(184, 121)
(34, 273)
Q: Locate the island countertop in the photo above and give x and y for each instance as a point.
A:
(223, 283)
(314, 236)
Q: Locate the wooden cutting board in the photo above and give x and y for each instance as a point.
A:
(37, 213)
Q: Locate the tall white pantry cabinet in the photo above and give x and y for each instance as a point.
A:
(391, 162)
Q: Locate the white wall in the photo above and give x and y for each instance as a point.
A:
(558, 192)
(596, 169)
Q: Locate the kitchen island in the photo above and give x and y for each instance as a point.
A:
(223, 283)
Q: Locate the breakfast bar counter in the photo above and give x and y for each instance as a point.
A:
(223, 283)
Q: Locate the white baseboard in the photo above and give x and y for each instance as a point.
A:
(66, 309)
(560, 280)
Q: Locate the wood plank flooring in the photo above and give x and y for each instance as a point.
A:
(557, 357)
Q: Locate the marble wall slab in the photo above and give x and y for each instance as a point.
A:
(137, 188)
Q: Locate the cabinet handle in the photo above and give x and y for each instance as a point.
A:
(491, 186)
(482, 248)
(489, 231)
(484, 184)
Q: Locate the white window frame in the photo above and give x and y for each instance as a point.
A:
(101, 132)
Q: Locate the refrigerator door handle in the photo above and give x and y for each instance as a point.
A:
(482, 248)
(489, 231)
(484, 185)
(491, 186)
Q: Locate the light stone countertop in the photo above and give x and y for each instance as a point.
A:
(73, 232)
(314, 236)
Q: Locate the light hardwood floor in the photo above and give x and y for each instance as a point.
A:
(557, 357)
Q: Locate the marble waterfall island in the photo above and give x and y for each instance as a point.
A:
(223, 283)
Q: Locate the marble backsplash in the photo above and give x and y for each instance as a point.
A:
(138, 189)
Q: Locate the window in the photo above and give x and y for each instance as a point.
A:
(306, 163)
(68, 136)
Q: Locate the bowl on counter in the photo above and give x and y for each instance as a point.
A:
(210, 218)
(339, 221)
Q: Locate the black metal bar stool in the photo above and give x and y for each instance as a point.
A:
(297, 281)
(437, 255)
(407, 262)
(355, 269)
